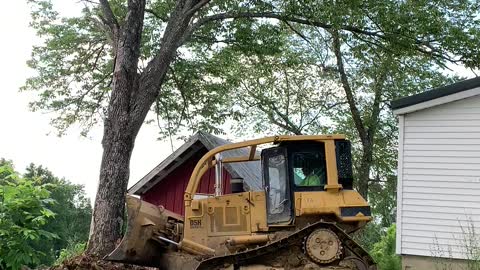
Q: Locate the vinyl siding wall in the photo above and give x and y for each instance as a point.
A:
(439, 186)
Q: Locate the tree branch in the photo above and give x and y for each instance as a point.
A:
(109, 17)
(156, 15)
(317, 115)
(288, 123)
(154, 73)
(274, 15)
(297, 32)
(357, 119)
(197, 7)
(419, 45)
(285, 18)
(378, 91)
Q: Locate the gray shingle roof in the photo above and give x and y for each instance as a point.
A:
(436, 93)
(249, 171)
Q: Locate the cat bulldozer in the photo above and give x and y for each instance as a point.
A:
(301, 219)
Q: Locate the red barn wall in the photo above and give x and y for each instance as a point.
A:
(169, 191)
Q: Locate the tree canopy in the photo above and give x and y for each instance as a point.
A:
(348, 79)
(75, 64)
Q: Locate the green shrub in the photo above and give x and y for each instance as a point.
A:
(70, 251)
(384, 251)
(23, 213)
(369, 235)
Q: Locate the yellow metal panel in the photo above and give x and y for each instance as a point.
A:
(315, 203)
(258, 211)
(324, 203)
(195, 205)
(332, 174)
(353, 198)
(195, 227)
(230, 215)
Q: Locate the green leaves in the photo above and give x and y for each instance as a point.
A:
(384, 251)
(39, 215)
(72, 250)
(23, 213)
(74, 66)
(72, 210)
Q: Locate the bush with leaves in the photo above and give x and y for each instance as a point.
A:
(73, 209)
(384, 251)
(24, 211)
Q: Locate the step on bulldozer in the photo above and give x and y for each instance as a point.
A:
(301, 219)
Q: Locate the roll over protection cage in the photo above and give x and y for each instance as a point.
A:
(208, 160)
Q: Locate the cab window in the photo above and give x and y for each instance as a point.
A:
(309, 169)
(279, 203)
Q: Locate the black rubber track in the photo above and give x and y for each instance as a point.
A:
(245, 257)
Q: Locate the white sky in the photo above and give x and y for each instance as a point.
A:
(23, 134)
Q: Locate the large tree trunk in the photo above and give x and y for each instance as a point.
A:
(118, 141)
(366, 128)
(110, 200)
(132, 96)
(119, 130)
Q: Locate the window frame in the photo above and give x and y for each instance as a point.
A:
(266, 154)
(313, 148)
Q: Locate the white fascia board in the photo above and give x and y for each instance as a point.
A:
(438, 101)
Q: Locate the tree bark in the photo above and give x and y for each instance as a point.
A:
(119, 134)
(132, 97)
(365, 168)
(108, 211)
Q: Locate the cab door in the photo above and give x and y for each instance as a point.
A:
(277, 187)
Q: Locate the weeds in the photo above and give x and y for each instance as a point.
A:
(469, 246)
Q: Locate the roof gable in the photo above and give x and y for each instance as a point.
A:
(437, 96)
(249, 171)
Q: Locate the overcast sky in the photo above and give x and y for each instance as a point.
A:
(24, 134)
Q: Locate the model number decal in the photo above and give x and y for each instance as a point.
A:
(195, 223)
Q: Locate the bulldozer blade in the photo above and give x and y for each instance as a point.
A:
(145, 222)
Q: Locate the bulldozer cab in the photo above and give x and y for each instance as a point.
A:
(287, 169)
(299, 167)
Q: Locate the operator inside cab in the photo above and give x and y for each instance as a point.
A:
(309, 169)
(311, 178)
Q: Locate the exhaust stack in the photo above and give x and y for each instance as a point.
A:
(218, 176)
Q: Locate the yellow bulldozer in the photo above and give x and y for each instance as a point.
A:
(301, 219)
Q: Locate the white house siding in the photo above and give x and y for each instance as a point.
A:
(439, 171)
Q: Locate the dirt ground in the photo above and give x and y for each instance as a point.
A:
(83, 262)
